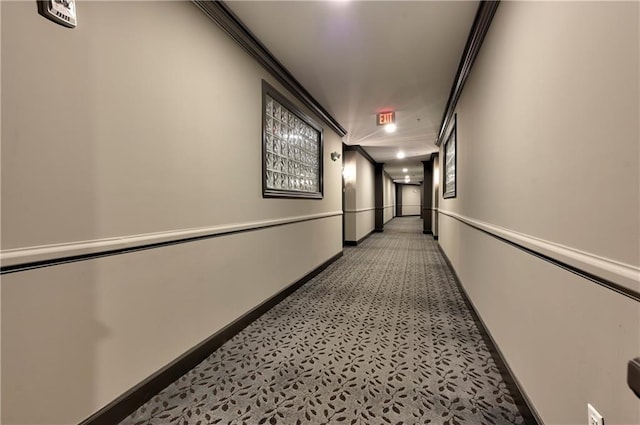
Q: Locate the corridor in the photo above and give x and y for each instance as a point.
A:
(383, 335)
(320, 212)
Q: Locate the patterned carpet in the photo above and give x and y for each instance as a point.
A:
(382, 336)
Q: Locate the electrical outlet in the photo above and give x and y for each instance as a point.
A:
(595, 418)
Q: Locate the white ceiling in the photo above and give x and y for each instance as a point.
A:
(357, 58)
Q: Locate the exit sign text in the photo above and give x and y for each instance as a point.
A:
(384, 118)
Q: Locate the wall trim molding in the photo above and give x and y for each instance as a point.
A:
(522, 401)
(361, 151)
(359, 210)
(617, 276)
(222, 15)
(135, 397)
(21, 259)
(479, 29)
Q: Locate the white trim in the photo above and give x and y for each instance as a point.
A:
(359, 210)
(621, 273)
(14, 256)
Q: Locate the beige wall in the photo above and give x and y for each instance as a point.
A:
(148, 130)
(359, 196)
(435, 194)
(350, 190)
(411, 199)
(548, 156)
(365, 196)
(389, 197)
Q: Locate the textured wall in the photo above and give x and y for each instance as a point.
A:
(151, 126)
(548, 155)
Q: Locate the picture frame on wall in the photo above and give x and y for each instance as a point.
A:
(449, 187)
(292, 149)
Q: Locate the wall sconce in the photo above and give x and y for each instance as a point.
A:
(349, 173)
(335, 156)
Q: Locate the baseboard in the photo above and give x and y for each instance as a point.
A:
(523, 402)
(427, 232)
(359, 241)
(131, 400)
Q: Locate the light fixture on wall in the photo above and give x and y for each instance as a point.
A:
(335, 156)
(349, 173)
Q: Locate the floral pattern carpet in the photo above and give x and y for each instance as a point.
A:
(382, 336)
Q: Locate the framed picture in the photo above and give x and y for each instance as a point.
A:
(292, 146)
(449, 163)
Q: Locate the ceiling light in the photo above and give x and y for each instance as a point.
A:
(404, 170)
(400, 155)
(390, 128)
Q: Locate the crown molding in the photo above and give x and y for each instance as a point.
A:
(479, 29)
(360, 149)
(222, 15)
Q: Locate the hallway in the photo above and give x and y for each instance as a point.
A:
(383, 335)
(247, 177)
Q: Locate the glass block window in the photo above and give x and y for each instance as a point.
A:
(291, 149)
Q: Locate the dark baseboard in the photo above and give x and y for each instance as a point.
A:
(362, 239)
(427, 232)
(131, 400)
(359, 241)
(523, 402)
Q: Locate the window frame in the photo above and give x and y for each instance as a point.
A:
(273, 192)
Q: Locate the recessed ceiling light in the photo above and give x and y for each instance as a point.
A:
(400, 155)
(404, 170)
(390, 128)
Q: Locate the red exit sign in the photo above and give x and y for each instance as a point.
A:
(384, 118)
